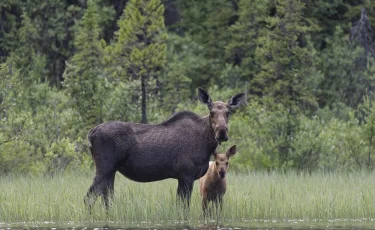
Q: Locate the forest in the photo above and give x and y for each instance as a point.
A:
(306, 66)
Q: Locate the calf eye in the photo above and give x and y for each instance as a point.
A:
(227, 163)
(217, 163)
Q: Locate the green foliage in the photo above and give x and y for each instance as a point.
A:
(368, 132)
(208, 23)
(25, 57)
(33, 116)
(285, 76)
(84, 78)
(307, 68)
(187, 56)
(245, 35)
(60, 155)
(55, 23)
(14, 151)
(139, 50)
(348, 77)
(10, 13)
(181, 62)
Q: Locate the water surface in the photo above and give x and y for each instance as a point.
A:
(246, 225)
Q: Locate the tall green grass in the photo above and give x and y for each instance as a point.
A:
(250, 197)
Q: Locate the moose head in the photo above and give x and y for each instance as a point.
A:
(222, 161)
(220, 112)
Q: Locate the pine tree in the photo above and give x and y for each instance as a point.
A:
(286, 75)
(139, 52)
(245, 35)
(348, 73)
(207, 23)
(175, 83)
(10, 12)
(30, 62)
(285, 61)
(84, 77)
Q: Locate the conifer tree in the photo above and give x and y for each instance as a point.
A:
(139, 51)
(30, 63)
(175, 83)
(285, 77)
(245, 35)
(10, 12)
(285, 61)
(207, 23)
(56, 22)
(348, 73)
(84, 79)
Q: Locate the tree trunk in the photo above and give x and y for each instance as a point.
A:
(143, 104)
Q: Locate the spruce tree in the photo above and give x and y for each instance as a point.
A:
(245, 35)
(139, 52)
(10, 12)
(84, 77)
(286, 75)
(348, 74)
(56, 22)
(286, 63)
(207, 23)
(26, 57)
(175, 83)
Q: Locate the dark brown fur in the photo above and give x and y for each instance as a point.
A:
(178, 148)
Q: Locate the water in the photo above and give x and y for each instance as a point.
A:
(246, 225)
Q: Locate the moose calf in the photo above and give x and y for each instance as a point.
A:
(213, 184)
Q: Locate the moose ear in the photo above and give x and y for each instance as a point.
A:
(215, 155)
(204, 97)
(231, 151)
(236, 100)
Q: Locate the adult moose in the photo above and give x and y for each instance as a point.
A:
(178, 148)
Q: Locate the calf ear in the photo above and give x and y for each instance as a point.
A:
(236, 100)
(231, 151)
(204, 97)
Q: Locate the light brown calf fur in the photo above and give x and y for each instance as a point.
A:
(213, 184)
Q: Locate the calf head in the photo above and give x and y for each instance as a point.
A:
(222, 161)
(220, 112)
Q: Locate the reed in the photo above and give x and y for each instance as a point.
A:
(254, 196)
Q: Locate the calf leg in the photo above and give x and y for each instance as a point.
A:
(218, 208)
(204, 207)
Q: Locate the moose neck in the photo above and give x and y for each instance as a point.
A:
(210, 133)
(215, 174)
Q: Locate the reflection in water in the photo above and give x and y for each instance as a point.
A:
(272, 225)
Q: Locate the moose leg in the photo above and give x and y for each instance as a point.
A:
(204, 207)
(101, 186)
(184, 190)
(108, 190)
(219, 208)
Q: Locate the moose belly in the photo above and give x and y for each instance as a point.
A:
(158, 157)
(143, 172)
